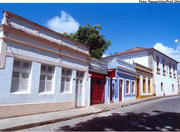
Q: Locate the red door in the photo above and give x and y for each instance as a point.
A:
(120, 89)
(97, 90)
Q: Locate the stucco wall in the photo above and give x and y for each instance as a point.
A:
(125, 77)
(123, 74)
(33, 96)
(1, 35)
(17, 50)
(35, 30)
(5, 79)
(31, 52)
(166, 80)
(139, 57)
(149, 60)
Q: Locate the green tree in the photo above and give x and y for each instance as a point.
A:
(90, 36)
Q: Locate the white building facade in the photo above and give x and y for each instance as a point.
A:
(164, 68)
(40, 70)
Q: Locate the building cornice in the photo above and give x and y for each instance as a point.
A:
(43, 49)
(10, 14)
(8, 29)
(164, 54)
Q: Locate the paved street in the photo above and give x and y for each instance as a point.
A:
(160, 114)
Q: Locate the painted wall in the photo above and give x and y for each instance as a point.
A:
(1, 35)
(31, 52)
(125, 77)
(35, 29)
(139, 57)
(124, 71)
(32, 95)
(147, 93)
(166, 80)
(149, 60)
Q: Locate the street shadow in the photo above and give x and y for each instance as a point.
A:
(160, 121)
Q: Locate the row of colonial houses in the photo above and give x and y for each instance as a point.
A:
(43, 71)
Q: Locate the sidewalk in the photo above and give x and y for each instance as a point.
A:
(22, 122)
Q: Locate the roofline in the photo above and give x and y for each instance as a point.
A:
(120, 53)
(147, 49)
(124, 61)
(42, 27)
(6, 28)
(164, 55)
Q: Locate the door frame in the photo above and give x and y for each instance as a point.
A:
(121, 96)
(138, 87)
(83, 92)
(91, 92)
(111, 90)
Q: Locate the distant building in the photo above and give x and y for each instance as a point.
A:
(164, 68)
(40, 70)
(123, 80)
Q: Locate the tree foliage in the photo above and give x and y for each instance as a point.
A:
(90, 36)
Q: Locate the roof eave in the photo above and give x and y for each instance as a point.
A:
(165, 55)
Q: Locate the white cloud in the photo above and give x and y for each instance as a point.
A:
(63, 23)
(104, 55)
(173, 53)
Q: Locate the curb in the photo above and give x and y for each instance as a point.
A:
(26, 126)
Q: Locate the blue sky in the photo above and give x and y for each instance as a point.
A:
(126, 25)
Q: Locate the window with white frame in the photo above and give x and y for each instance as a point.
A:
(20, 76)
(127, 87)
(46, 78)
(132, 87)
(79, 80)
(66, 80)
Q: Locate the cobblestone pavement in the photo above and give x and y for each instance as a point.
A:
(160, 114)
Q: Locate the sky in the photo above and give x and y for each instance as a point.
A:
(125, 25)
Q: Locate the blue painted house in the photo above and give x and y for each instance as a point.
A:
(123, 80)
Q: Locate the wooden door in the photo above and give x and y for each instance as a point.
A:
(97, 91)
(120, 89)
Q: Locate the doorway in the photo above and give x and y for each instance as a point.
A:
(120, 89)
(138, 87)
(79, 88)
(97, 90)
